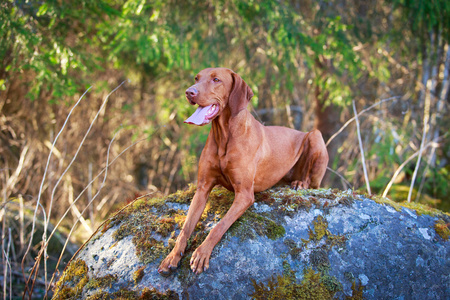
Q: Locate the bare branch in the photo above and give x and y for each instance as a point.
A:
(400, 168)
(363, 161)
(359, 114)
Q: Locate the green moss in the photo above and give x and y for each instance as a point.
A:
(420, 209)
(294, 250)
(251, 223)
(138, 275)
(149, 294)
(148, 249)
(183, 197)
(165, 226)
(324, 198)
(126, 294)
(331, 283)
(442, 229)
(73, 280)
(265, 197)
(123, 294)
(101, 282)
(283, 199)
(320, 229)
(319, 259)
(220, 200)
(99, 295)
(265, 226)
(346, 200)
(313, 286)
(357, 292)
(141, 221)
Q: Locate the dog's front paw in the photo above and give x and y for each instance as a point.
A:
(170, 263)
(300, 185)
(200, 259)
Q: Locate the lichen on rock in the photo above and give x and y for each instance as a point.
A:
(326, 242)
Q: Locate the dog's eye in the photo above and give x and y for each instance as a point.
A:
(216, 79)
(196, 78)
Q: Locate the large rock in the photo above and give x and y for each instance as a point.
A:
(314, 244)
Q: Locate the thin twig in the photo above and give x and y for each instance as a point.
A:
(363, 161)
(35, 269)
(340, 176)
(5, 268)
(400, 168)
(359, 114)
(13, 179)
(426, 115)
(3, 219)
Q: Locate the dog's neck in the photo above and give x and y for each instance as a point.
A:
(220, 130)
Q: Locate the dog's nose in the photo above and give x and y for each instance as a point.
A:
(191, 93)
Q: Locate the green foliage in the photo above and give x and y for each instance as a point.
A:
(160, 37)
(424, 16)
(53, 41)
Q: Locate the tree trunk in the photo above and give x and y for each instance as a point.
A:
(327, 120)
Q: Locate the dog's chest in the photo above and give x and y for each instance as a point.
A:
(225, 170)
(224, 164)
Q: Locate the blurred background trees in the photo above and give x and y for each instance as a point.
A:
(306, 61)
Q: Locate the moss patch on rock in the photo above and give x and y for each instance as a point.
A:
(313, 286)
(420, 209)
(126, 294)
(442, 229)
(148, 221)
(106, 281)
(75, 280)
(251, 224)
(183, 196)
(320, 231)
(138, 275)
(72, 282)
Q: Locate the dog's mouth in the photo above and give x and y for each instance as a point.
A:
(203, 115)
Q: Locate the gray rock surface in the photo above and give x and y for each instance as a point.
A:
(329, 243)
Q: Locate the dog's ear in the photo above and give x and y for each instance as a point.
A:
(240, 94)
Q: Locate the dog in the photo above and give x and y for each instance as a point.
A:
(242, 155)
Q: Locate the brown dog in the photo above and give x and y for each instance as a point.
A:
(243, 156)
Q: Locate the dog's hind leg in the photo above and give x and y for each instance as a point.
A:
(312, 164)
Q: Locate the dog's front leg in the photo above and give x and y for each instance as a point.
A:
(171, 262)
(200, 258)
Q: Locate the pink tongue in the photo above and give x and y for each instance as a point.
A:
(199, 116)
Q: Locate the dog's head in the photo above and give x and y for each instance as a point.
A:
(213, 91)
